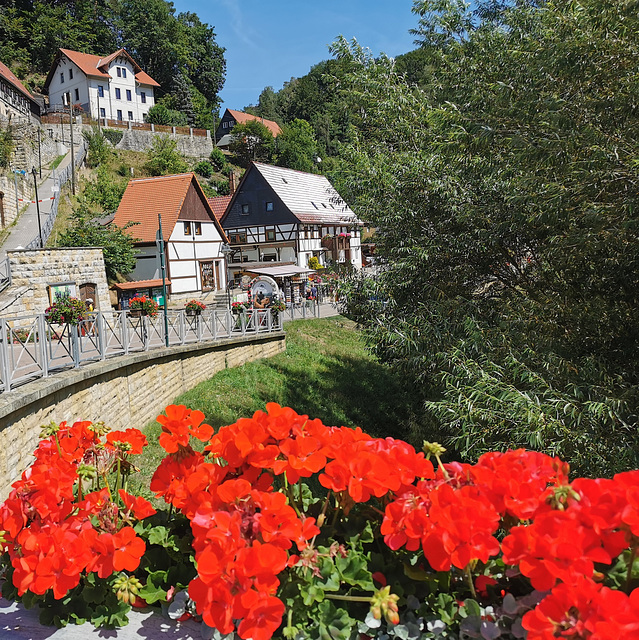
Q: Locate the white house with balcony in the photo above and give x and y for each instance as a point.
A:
(113, 87)
(280, 217)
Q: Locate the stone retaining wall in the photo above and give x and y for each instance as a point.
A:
(32, 271)
(124, 392)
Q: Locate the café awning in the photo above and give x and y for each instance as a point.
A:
(281, 271)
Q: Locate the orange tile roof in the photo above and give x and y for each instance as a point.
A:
(7, 74)
(145, 198)
(219, 204)
(242, 117)
(92, 65)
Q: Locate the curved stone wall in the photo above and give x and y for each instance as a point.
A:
(128, 391)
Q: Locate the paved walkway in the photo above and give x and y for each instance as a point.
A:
(26, 228)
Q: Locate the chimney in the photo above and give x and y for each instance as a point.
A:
(231, 183)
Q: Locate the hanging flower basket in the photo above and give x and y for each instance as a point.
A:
(66, 311)
(144, 305)
(194, 308)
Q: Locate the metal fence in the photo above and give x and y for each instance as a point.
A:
(62, 178)
(31, 348)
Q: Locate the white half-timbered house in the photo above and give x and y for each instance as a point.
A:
(280, 217)
(193, 238)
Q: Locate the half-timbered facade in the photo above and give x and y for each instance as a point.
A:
(280, 216)
(15, 100)
(192, 235)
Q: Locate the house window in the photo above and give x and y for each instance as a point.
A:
(270, 235)
(130, 114)
(238, 238)
(123, 72)
(118, 71)
(143, 97)
(128, 95)
(118, 94)
(102, 112)
(70, 74)
(245, 209)
(197, 228)
(269, 206)
(224, 125)
(77, 94)
(62, 78)
(231, 123)
(187, 228)
(119, 114)
(100, 91)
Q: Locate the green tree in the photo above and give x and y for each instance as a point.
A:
(164, 158)
(504, 197)
(161, 114)
(296, 147)
(117, 244)
(6, 146)
(252, 141)
(98, 151)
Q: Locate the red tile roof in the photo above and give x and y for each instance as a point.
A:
(219, 204)
(242, 117)
(145, 198)
(93, 66)
(8, 75)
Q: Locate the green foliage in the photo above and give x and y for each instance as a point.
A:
(203, 169)
(251, 141)
(297, 147)
(103, 193)
(113, 135)
(218, 159)
(160, 114)
(219, 188)
(164, 158)
(165, 45)
(504, 198)
(98, 151)
(117, 244)
(6, 146)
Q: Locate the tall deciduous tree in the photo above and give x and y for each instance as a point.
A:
(505, 195)
(251, 141)
(297, 147)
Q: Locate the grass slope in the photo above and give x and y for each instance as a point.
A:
(325, 373)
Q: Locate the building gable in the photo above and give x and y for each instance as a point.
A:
(250, 204)
(196, 207)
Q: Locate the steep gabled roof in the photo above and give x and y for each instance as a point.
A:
(10, 77)
(219, 204)
(311, 198)
(97, 66)
(145, 198)
(242, 118)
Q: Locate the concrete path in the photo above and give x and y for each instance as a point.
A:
(26, 228)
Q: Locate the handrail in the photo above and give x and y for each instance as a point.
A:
(31, 348)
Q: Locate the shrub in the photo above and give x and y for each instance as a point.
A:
(218, 159)
(66, 310)
(147, 306)
(113, 135)
(203, 169)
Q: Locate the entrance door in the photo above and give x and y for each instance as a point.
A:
(87, 290)
(207, 275)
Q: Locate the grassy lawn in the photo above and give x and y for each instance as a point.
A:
(325, 373)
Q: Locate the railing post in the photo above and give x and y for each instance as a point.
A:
(4, 356)
(75, 344)
(243, 322)
(124, 330)
(43, 338)
(99, 322)
(198, 326)
(145, 332)
(214, 325)
(182, 327)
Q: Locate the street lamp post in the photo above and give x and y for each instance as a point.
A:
(35, 184)
(226, 250)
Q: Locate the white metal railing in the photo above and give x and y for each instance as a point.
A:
(5, 274)
(31, 348)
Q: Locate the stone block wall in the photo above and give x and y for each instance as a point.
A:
(190, 146)
(33, 271)
(124, 392)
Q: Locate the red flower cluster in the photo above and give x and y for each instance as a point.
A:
(52, 535)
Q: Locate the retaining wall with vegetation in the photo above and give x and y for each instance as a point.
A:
(124, 392)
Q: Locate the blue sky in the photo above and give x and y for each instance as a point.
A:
(269, 41)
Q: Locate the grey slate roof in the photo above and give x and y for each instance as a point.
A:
(310, 197)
